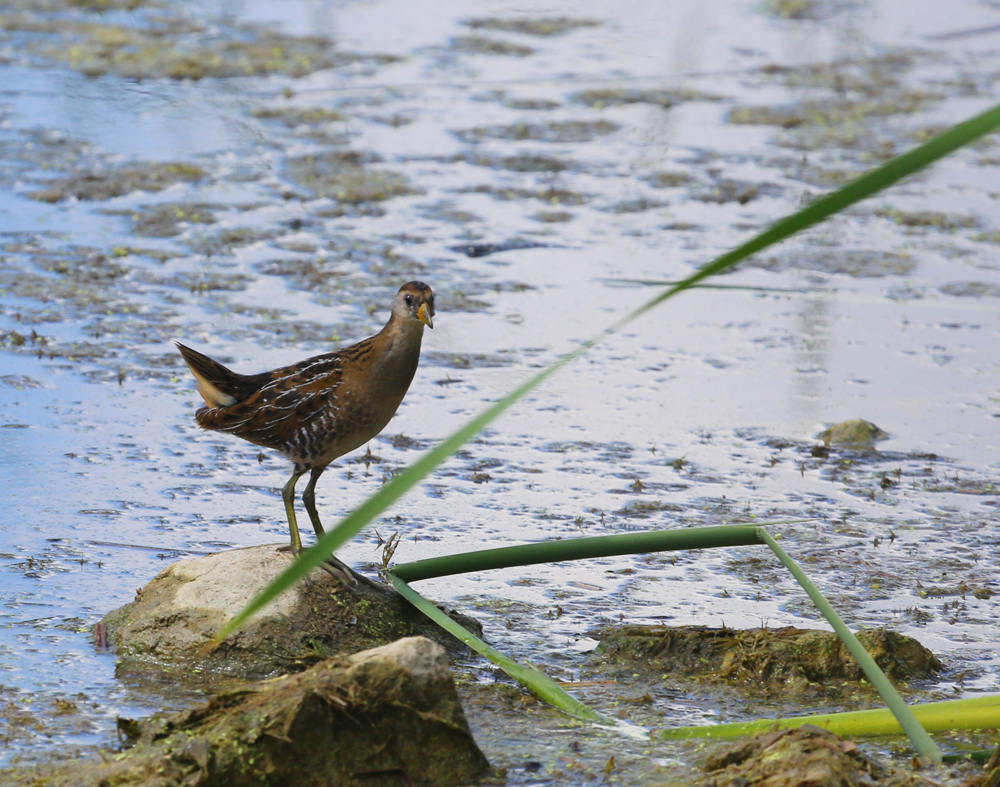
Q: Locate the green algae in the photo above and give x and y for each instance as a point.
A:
(525, 162)
(834, 112)
(531, 104)
(600, 98)
(482, 45)
(137, 55)
(548, 194)
(345, 177)
(552, 216)
(446, 211)
(971, 289)
(564, 131)
(224, 241)
(634, 205)
(860, 264)
(168, 219)
(853, 434)
(542, 27)
(667, 180)
(729, 190)
(792, 9)
(299, 116)
(116, 182)
(929, 219)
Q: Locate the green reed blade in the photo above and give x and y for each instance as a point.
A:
(580, 549)
(977, 713)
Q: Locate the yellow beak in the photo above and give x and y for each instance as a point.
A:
(425, 316)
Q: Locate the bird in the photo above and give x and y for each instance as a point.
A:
(319, 409)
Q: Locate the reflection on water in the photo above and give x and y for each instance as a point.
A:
(702, 414)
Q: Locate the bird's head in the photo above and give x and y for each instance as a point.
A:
(415, 301)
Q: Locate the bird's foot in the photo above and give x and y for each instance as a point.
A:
(337, 569)
(343, 574)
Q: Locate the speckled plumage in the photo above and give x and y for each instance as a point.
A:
(323, 407)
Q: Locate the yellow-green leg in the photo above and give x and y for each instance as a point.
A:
(309, 500)
(288, 495)
(334, 566)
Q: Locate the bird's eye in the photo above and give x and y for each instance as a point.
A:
(408, 299)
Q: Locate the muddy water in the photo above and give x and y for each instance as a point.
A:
(226, 178)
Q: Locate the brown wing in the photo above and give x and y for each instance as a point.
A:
(291, 408)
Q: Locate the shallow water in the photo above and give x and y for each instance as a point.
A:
(703, 412)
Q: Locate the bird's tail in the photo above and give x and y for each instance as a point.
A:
(218, 386)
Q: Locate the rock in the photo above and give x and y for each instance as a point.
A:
(783, 660)
(853, 434)
(384, 716)
(806, 756)
(184, 606)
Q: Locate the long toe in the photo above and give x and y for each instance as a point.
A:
(340, 572)
(335, 568)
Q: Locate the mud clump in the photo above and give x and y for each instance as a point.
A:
(564, 131)
(971, 289)
(169, 219)
(792, 9)
(831, 113)
(391, 712)
(641, 509)
(549, 194)
(446, 210)
(293, 117)
(531, 104)
(485, 249)
(929, 219)
(772, 660)
(613, 97)
(527, 162)
(543, 27)
(175, 47)
(857, 263)
(667, 180)
(853, 434)
(481, 45)
(344, 176)
(118, 182)
(727, 190)
(552, 216)
(223, 242)
(81, 265)
(636, 205)
(806, 755)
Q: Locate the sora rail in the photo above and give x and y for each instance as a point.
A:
(318, 409)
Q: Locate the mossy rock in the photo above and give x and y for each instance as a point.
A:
(774, 660)
(181, 610)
